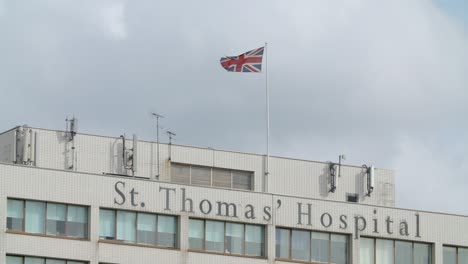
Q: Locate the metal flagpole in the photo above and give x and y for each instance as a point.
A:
(267, 172)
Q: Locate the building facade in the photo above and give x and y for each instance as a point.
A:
(75, 198)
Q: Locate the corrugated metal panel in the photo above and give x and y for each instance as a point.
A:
(7, 143)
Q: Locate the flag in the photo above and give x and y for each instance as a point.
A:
(251, 61)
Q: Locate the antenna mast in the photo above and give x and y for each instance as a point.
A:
(171, 136)
(157, 116)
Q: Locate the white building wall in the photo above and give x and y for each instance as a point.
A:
(98, 191)
(98, 154)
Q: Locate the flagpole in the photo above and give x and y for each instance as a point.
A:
(267, 171)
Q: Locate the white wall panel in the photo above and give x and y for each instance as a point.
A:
(99, 191)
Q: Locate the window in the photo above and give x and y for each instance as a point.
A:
(283, 243)
(254, 240)
(235, 238)
(138, 228)
(35, 217)
(385, 251)
(56, 219)
(126, 226)
(15, 215)
(208, 176)
(455, 255)
(51, 219)
(316, 247)
(77, 221)
(227, 237)
(37, 260)
(196, 234)
(107, 224)
(146, 228)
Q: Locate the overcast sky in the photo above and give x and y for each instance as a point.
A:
(384, 82)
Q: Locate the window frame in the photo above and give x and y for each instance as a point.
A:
(136, 243)
(231, 171)
(431, 247)
(329, 234)
(457, 249)
(23, 257)
(224, 253)
(23, 231)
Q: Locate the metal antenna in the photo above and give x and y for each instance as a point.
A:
(157, 116)
(171, 136)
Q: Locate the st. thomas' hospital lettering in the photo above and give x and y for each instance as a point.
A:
(126, 195)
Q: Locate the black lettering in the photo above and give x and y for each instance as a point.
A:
(184, 202)
(119, 192)
(404, 228)
(132, 195)
(202, 207)
(358, 229)
(344, 222)
(308, 214)
(227, 207)
(417, 226)
(322, 220)
(167, 196)
(389, 221)
(250, 213)
(267, 212)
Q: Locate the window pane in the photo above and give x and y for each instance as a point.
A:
(366, 252)
(196, 234)
(242, 180)
(146, 228)
(29, 260)
(403, 252)
(14, 260)
(339, 249)
(180, 173)
(234, 238)
(167, 229)
(126, 226)
(222, 178)
(56, 218)
(384, 251)
(35, 217)
(77, 221)
(214, 236)
(15, 215)
(106, 224)
(462, 255)
(422, 254)
(320, 246)
(201, 176)
(254, 240)
(301, 245)
(55, 261)
(450, 255)
(282, 243)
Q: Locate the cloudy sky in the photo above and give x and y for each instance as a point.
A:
(384, 82)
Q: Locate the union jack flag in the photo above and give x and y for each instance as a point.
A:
(251, 61)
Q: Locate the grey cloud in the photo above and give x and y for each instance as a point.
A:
(382, 81)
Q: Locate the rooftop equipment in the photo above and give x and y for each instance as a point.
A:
(333, 175)
(157, 116)
(370, 179)
(129, 155)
